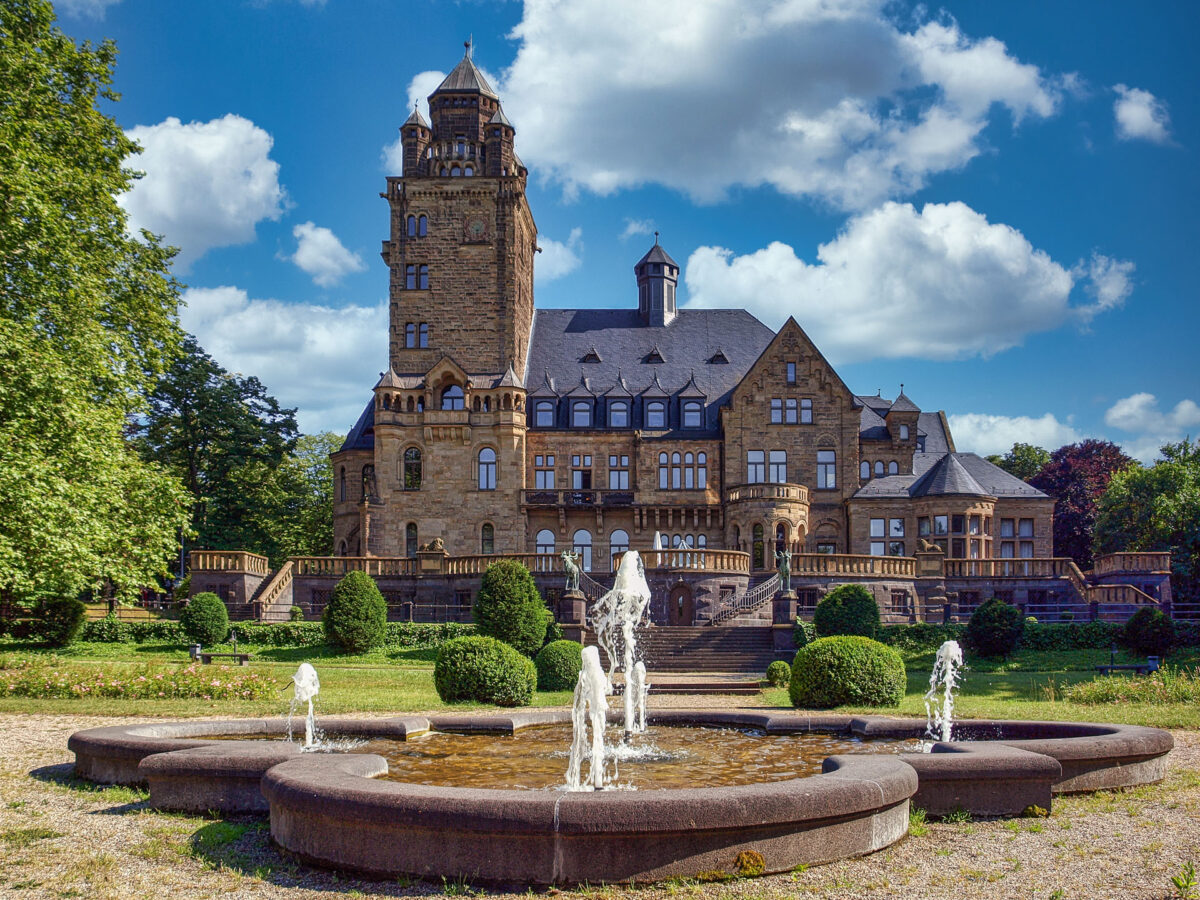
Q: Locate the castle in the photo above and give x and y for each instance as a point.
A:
(502, 429)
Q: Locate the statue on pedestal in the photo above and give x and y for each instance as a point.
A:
(784, 561)
(571, 567)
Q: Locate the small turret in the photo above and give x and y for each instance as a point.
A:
(414, 136)
(657, 278)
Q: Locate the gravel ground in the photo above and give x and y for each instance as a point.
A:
(59, 839)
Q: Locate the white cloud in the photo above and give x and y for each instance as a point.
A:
(1140, 415)
(635, 227)
(1141, 115)
(1108, 281)
(941, 283)
(986, 434)
(85, 9)
(422, 85)
(207, 184)
(558, 259)
(321, 255)
(318, 358)
(846, 107)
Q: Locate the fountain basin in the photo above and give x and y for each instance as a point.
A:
(332, 810)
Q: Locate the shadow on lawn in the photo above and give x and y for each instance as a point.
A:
(128, 799)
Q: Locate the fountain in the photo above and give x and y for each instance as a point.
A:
(590, 707)
(939, 711)
(307, 686)
(614, 618)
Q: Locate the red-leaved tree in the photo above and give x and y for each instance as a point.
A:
(1075, 477)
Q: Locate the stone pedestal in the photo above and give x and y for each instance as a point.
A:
(572, 614)
(783, 619)
(431, 562)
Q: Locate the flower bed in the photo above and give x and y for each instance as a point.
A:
(22, 677)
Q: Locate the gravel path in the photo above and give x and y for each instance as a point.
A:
(63, 840)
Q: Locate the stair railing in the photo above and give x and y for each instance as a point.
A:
(747, 601)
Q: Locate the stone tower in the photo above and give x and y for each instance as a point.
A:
(462, 235)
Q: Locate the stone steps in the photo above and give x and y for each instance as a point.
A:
(704, 649)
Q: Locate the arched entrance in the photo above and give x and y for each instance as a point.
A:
(681, 606)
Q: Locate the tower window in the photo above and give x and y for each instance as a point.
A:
(487, 539)
(879, 468)
(416, 277)
(423, 335)
(893, 468)
(904, 432)
(827, 469)
(422, 226)
(452, 397)
(864, 470)
(487, 469)
(410, 335)
(412, 469)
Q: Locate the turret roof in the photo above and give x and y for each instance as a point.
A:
(656, 254)
(465, 77)
(416, 118)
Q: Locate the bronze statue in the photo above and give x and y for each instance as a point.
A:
(571, 567)
(784, 561)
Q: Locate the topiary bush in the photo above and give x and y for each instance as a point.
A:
(558, 665)
(779, 674)
(995, 629)
(846, 670)
(484, 670)
(205, 620)
(847, 609)
(509, 607)
(296, 614)
(59, 622)
(1148, 632)
(355, 618)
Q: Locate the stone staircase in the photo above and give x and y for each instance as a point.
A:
(701, 648)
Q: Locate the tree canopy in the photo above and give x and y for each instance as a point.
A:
(1157, 508)
(1076, 476)
(1023, 460)
(87, 322)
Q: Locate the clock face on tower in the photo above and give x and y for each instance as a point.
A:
(475, 229)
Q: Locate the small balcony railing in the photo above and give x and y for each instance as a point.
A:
(579, 498)
(795, 493)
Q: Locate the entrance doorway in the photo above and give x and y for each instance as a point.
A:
(681, 607)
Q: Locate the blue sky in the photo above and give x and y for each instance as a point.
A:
(993, 204)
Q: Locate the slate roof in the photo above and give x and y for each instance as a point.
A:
(562, 337)
(466, 78)
(416, 119)
(362, 435)
(500, 119)
(903, 404)
(656, 254)
(944, 474)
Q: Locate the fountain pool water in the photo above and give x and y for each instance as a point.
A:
(939, 710)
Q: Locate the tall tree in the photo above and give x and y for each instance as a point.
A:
(1075, 477)
(306, 481)
(1157, 508)
(1023, 460)
(87, 322)
(226, 438)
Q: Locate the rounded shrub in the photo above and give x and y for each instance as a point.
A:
(558, 665)
(779, 674)
(803, 632)
(1148, 632)
(205, 620)
(60, 622)
(847, 609)
(846, 670)
(355, 618)
(484, 670)
(509, 607)
(296, 614)
(995, 629)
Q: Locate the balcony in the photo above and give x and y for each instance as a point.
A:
(793, 493)
(581, 499)
(227, 561)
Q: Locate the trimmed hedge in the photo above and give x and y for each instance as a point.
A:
(356, 617)
(920, 637)
(847, 670)
(398, 635)
(779, 674)
(847, 609)
(483, 670)
(509, 607)
(59, 622)
(995, 629)
(558, 665)
(1148, 632)
(803, 633)
(111, 630)
(205, 620)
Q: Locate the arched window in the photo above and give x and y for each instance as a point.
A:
(455, 172)
(422, 278)
(676, 471)
(410, 539)
(410, 334)
(689, 471)
(864, 470)
(543, 414)
(412, 226)
(342, 487)
(468, 171)
(422, 226)
(656, 414)
(879, 468)
(780, 537)
(581, 414)
(582, 544)
(412, 469)
(893, 468)
(487, 469)
(487, 538)
(701, 471)
(701, 541)
(691, 414)
(452, 397)
(618, 542)
(663, 472)
(618, 413)
(545, 541)
(758, 550)
(423, 335)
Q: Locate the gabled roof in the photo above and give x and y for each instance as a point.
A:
(903, 404)
(583, 389)
(500, 119)
(545, 387)
(465, 77)
(691, 389)
(619, 388)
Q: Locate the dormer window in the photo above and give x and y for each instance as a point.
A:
(581, 414)
(591, 356)
(656, 414)
(453, 397)
(543, 414)
(618, 414)
(654, 356)
(719, 358)
(692, 414)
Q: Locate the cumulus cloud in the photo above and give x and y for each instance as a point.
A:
(636, 227)
(939, 283)
(847, 107)
(206, 184)
(1141, 116)
(1150, 427)
(321, 255)
(1108, 281)
(557, 258)
(320, 359)
(422, 85)
(987, 434)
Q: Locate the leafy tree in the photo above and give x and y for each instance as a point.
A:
(1023, 460)
(227, 439)
(87, 323)
(847, 609)
(1157, 508)
(306, 490)
(1075, 477)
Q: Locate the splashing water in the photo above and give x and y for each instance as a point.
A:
(614, 618)
(307, 686)
(939, 711)
(590, 707)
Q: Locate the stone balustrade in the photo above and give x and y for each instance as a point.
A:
(338, 566)
(698, 559)
(797, 493)
(1033, 567)
(853, 564)
(227, 561)
(1112, 563)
